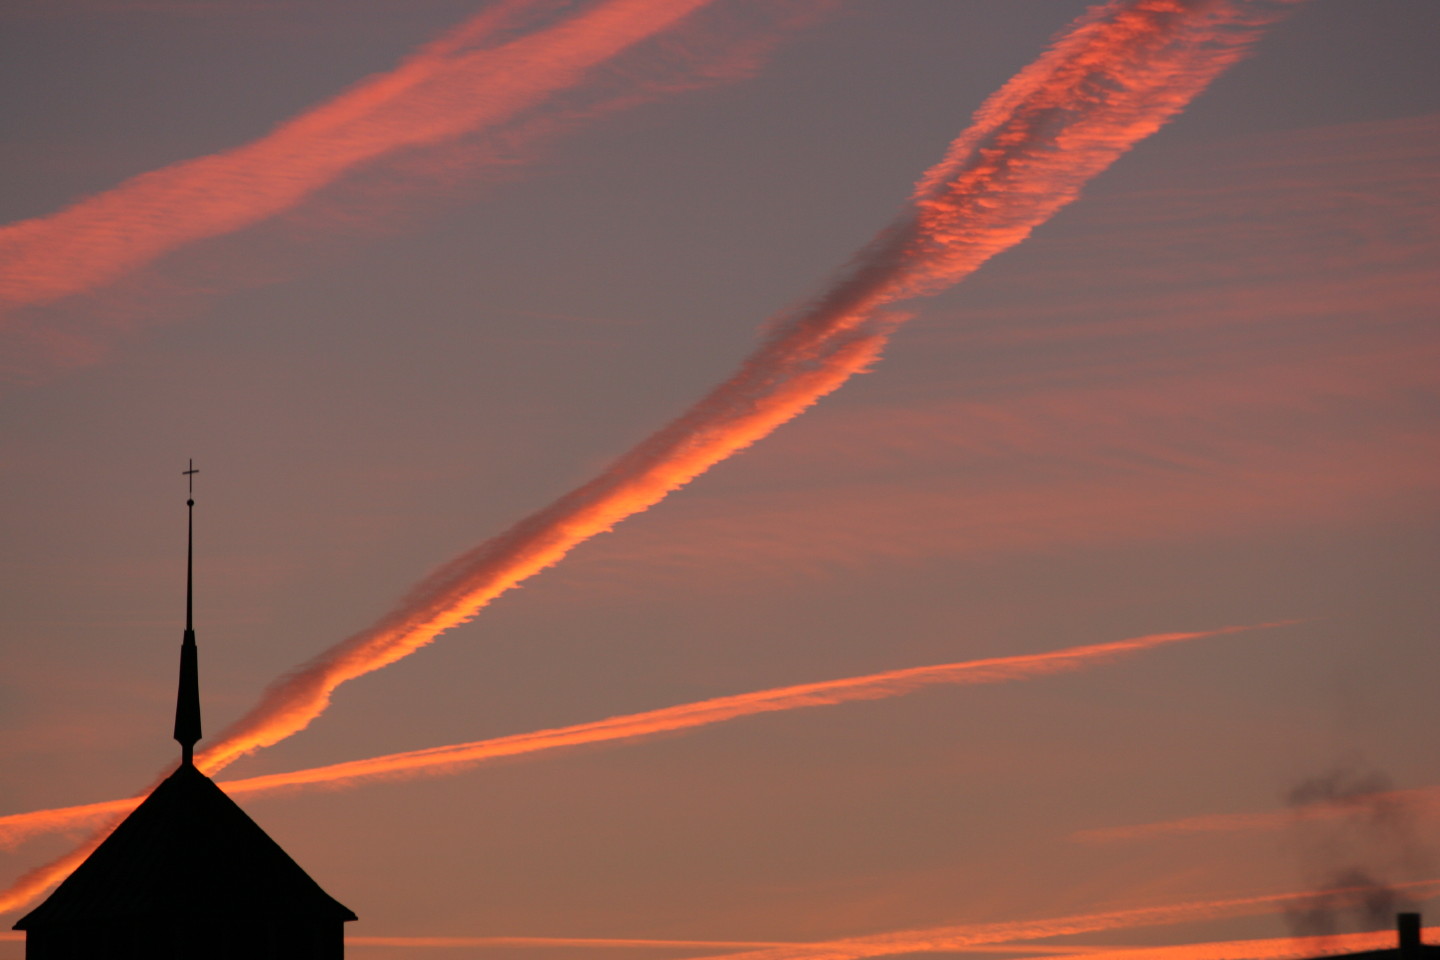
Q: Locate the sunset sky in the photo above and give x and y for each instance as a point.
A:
(1091, 605)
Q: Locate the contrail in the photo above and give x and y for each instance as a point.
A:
(472, 78)
(612, 943)
(965, 936)
(1269, 948)
(1119, 74)
(32, 884)
(1272, 948)
(555, 942)
(1426, 799)
(456, 757)
(1116, 76)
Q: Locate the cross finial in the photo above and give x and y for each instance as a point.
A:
(187, 705)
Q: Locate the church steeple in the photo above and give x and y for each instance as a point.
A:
(187, 873)
(187, 704)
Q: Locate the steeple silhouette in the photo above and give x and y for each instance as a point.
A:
(187, 874)
(187, 702)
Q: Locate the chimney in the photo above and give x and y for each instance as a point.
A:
(1408, 926)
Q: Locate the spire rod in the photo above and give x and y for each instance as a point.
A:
(187, 704)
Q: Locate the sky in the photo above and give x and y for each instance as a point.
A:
(400, 276)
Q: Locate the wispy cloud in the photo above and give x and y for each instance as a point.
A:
(461, 756)
(475, 75)
(963, 936)
(622, 943)
(1425, 800)
(479, 99)
(1269, 948)
(1115, 77)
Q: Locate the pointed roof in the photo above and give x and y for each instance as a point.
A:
(187, 850)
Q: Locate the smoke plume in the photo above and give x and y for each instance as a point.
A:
(1270, 948)
(1357, 855)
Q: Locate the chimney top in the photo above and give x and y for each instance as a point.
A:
(1408, 927)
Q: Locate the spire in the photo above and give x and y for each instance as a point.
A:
(187, 704)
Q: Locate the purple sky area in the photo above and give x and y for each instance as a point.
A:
(1201, 396)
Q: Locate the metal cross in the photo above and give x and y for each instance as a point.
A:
(190, 475)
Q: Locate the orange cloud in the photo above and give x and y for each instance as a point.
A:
(740, 412)
(469, 79)
(1140, 496)
(1273, 948)
(964, 936)
(1270, 948)
(551, 942)
(460, 756)
(1420, 799)
(34, 883)
(1141, 449)
(1115, 78)
(614, 943)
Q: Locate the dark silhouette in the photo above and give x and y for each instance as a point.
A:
(1408, 947)
(187, 703)
(188, 875)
